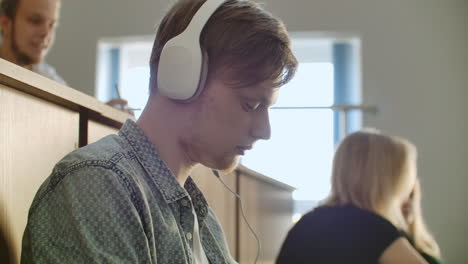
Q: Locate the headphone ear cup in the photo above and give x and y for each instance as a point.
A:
(183, 63)
(179, 70)
(203, 75)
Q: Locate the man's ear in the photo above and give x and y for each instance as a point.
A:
(5, 25)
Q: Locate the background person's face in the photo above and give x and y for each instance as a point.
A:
(33, 30)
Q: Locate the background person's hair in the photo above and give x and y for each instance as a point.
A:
(370, 170)
(245, 44)
(417, 230)
(9, 7)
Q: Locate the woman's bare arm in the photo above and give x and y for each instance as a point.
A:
(401, 252)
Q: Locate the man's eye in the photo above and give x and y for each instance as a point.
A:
(249, 107)
(34, 21)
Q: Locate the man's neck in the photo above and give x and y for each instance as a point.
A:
(157, 128)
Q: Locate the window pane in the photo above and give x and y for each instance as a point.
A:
(311, 86)
(134, 87)
(299, 152)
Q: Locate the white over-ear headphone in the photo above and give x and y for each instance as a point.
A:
(183, 64)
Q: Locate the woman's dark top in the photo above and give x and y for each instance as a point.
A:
(338, 234)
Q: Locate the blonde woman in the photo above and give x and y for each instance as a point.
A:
(416, 230)
(373, 176)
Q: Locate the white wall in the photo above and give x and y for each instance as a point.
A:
(83, 22)
(415, 69)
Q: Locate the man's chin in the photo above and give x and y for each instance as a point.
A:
(28, 59)
(230, 168)
(37, 59)
(225, 165)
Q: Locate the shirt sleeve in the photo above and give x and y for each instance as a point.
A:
(86, 216)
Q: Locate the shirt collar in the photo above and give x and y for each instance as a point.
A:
(164, 179)
(199, 202)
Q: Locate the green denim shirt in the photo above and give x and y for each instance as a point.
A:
(116, 201)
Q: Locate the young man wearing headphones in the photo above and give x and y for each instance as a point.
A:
(216, 67)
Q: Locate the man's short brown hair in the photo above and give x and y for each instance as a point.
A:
(245, 43)
(9, 7)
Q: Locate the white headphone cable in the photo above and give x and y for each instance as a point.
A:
(241, 205)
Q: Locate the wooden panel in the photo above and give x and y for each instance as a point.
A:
(221, 200)
(34, 135)
(97, 131)
(32, 83)
(268, 208)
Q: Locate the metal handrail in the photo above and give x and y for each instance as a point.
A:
(343, 110)
(339, 107)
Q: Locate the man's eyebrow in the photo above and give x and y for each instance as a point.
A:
(270, 100)
(267, 101)
(35, 14)
(263, 97)
(256, 98)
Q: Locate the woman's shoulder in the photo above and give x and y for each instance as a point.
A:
(350, 220)
(344, 213)
(336, 233)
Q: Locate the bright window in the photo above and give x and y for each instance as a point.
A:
(301, 147)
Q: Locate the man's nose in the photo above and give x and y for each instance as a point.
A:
(46, 30)
(261, 126)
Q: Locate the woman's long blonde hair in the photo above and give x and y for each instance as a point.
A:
(369, 170)
(373, 171)
(417, 230)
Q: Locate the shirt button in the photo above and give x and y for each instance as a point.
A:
(188, 235)
(184, 203)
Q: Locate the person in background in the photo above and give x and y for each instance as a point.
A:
(362, 219)
(129, 198)
(416, 231)
(28, 32)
